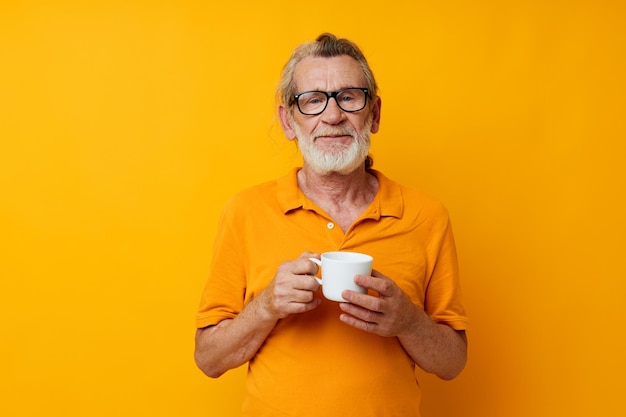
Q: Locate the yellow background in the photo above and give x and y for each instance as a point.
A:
(125, 125)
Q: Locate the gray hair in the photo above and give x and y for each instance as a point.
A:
(326, 45)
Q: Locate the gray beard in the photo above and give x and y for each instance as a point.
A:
(340, 159)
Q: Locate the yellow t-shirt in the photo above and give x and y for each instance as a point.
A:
(312, 364)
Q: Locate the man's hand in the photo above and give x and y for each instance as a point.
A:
(233, 342)
(293, 288)
(434, 347)
(390, 314)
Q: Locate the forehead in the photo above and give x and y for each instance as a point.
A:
(328, 74)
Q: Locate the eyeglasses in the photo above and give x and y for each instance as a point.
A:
(312, 103)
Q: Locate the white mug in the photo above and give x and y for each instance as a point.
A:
(338, 272)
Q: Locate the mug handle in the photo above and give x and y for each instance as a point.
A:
(319, 263)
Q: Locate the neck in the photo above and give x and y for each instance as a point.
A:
(358, 187)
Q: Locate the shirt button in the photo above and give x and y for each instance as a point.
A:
(330, 225)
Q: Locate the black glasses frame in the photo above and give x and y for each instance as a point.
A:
(329, 95)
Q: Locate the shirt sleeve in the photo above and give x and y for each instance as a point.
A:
(443, 300)
(224, 291)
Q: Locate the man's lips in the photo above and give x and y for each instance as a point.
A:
(334, 139)
(330, 135)
(333, 136)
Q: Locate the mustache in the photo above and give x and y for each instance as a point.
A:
(334, 131)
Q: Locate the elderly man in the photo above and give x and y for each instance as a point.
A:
(306, 355)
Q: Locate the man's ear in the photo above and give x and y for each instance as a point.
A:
(285, 122)
(376, 115)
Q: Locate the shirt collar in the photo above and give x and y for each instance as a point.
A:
(388, 200)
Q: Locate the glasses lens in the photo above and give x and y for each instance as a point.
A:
(352, 99)
(312, 102)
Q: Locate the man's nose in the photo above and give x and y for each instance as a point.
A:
(333, 113)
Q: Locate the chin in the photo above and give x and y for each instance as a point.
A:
(336, 168)
(341, 159)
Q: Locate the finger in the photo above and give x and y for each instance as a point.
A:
(304, 307)
(305, 282)
(363, 302)
(307, 256)
(358, 323)
(377, 274)
(302, 296)
(360, 312)
(299, 266)
(377, 282)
